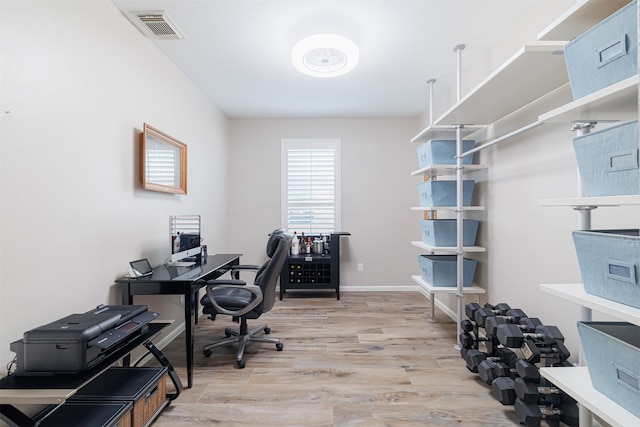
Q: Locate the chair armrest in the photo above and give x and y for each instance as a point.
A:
(236, 269)
(238, 284)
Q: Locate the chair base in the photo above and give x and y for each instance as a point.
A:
(242, 337)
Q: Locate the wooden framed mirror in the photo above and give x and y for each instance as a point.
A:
(163, 162)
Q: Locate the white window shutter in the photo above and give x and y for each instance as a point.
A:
(311, 185)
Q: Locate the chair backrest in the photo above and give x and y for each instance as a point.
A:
(267, 277)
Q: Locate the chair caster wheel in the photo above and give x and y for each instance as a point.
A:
(241, 364)
(279, 346)
(228, 334)
(267, 330)
(207, 353)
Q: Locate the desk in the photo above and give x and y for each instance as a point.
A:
(184, 281)
(55, 389)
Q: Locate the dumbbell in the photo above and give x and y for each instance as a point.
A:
(503, 388)
(531, 392)
(511, 335)
(531, 414)
(546, 340)
(474, 357)
(466, 325)
(533, 352)
(469, 341)
(471, 308)
(526, 324)
(514, 314)
(488, 370)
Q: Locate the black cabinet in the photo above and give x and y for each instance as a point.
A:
(313, 271)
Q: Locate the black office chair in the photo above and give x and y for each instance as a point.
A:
(234, 297)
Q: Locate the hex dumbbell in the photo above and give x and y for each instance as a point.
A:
(471, 308)
(474, 357)
(511, 335)
(513, 314)
(469, 341)
(489, 370)
(526, 324)
(466, 325)
(532, 392)
(503, 388)
(531, 414)
(557, 352)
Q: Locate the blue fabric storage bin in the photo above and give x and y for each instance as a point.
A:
(442, 270)
(443, 152)
(612, 351)
(443, 192)
(444, 232)
(605, 54)
(609, 263)
(608, 160)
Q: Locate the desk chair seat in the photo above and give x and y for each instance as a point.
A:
(243, 301)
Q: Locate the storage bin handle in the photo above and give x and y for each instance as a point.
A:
(612, 51)
(622, 161)
(627, 379)
(621, 271)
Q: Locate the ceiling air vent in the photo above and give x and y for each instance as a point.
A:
(160, 25)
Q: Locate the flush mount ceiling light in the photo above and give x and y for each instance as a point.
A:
(325, 55)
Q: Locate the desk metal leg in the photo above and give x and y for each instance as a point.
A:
(127, 299)
(189, 326)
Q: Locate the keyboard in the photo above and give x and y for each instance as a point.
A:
(181, 263)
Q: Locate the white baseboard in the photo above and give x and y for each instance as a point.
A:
(382, 288)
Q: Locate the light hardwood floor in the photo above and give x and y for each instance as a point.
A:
(370, 359)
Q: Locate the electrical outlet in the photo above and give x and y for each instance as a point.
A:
(476, 298)
(360, 267)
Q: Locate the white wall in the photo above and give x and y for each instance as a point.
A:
(78, 82)
(377, 191)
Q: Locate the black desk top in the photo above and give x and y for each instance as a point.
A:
(165, 273)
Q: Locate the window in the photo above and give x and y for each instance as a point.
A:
(311, 185)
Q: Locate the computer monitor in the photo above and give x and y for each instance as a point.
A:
(185, 236)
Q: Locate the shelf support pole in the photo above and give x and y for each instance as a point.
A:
(458, 49)
(584, 223)
(459, 231)
(431, 82)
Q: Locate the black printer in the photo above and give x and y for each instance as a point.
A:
(79, 341)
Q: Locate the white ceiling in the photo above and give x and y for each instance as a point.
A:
(238, 51)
